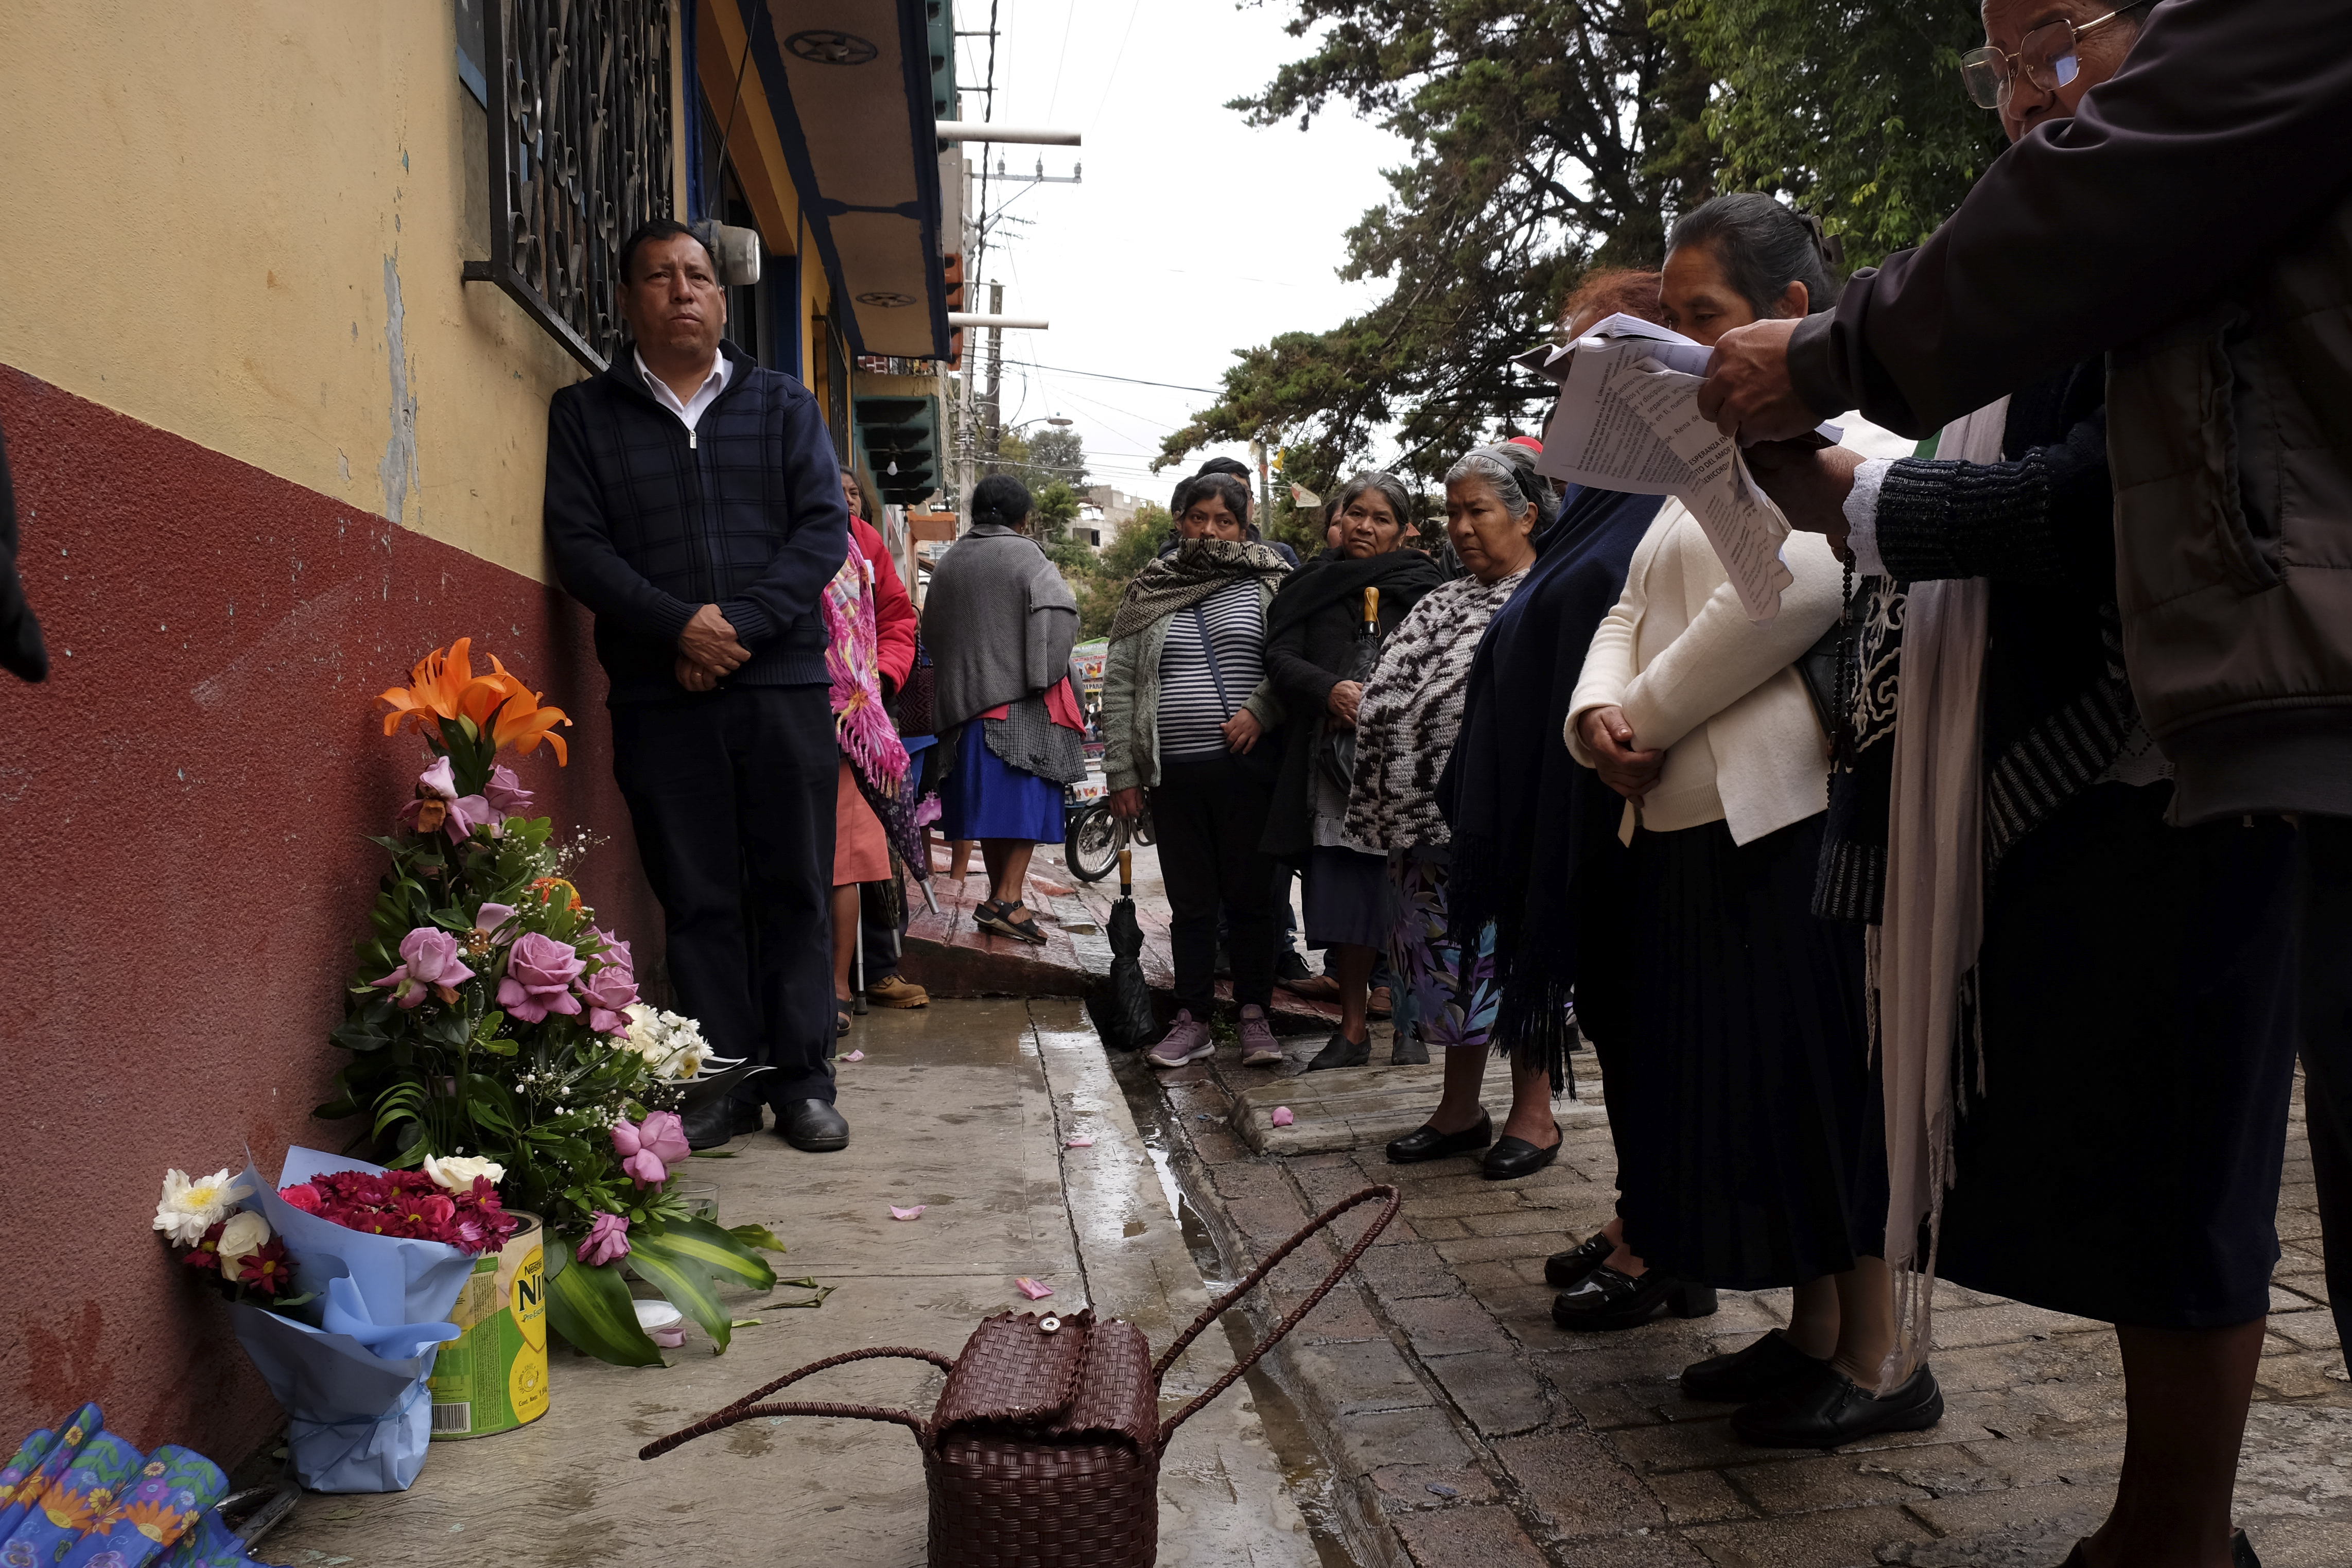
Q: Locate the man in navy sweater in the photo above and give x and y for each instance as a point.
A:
(693, 504)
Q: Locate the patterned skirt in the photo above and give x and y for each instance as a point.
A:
(1452, 990)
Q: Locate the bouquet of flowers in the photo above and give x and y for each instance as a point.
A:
(341, 1278)
(494, 1025)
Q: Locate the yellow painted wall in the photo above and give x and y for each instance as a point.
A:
(245, 222)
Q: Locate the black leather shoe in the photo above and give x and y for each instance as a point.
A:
(1428, 1143)
(1609, 1299)
(1771, 1367)
(1517, 1157)
(2242, 1553)
(813, 1126)
(1570, 1267)
(1340, 1051)
(1408, 1051)
(1832, 1408)
(709, 1126)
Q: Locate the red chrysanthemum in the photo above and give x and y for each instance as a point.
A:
(205, 1254)
(266, 1271)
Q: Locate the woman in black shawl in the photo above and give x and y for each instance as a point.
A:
(1310, 651)
(1535, 833)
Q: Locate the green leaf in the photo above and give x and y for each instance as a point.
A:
(713, 1154)
(590, 1307)
(683, 1282)
(714, 1249)
(758, 1235)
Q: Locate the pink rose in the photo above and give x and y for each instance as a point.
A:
(606, 992)
(607, 1239)
(616, 954)
(490, 918)
(664, 1133)
(505, 794)
(431, 961)
(539, 972)
(650, 1147)
(304, 1197)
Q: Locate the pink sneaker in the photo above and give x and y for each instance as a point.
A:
(1259, 1049)
(1187, 1040)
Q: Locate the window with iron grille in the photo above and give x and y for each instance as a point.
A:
(579, 106)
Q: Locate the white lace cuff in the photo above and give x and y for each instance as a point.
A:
(1862, 518)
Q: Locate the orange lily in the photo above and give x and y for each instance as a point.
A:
(523, 723)
(443, 688)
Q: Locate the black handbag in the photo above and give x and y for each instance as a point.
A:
(1824, 667)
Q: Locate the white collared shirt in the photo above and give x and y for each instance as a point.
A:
(690, 411)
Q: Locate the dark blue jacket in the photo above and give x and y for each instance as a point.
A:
(647, 523)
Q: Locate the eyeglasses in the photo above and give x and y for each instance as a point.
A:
(2046, 56)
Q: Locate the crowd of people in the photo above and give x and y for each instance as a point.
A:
(1841, 902)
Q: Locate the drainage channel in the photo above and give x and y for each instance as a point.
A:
(1303, 1471)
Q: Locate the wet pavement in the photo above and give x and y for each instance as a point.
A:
(965, 1107)
(1460, 1427)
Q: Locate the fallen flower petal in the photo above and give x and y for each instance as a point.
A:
(1030, 1288)
(915, 1213)
(1081, 1143)
(1282, 1116)
(854, 1056)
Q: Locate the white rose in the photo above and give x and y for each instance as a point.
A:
(457, 1172)
(246, 1233)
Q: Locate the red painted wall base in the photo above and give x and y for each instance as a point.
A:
(186, 805)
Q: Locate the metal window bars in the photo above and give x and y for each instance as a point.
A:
(579, 156)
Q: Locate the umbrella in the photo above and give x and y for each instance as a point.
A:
(1128, 1021)
(1339, 756)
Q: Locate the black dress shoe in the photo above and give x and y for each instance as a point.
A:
(1340, 1051)
(1428, 1143)
(1517, 1157)
(1408, 1051)
(1772, 1366)
(1609, 1299)
(2242, 1553)
(813, 1126)
(709, 1126)
(1832, 1408)
(1570, 1267)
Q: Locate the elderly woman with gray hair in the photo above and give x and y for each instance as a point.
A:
(1406, 726)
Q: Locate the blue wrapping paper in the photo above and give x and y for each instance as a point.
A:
(49, 1466)
(352, 1383)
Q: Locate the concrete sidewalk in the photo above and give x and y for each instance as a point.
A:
(1462, 1429)
(965, 1107)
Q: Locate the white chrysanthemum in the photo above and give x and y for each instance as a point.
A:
(189, 1208)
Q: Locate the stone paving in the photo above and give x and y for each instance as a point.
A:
(1461, 1428)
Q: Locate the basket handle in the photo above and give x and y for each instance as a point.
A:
(1372, 1232)
(744, 1409)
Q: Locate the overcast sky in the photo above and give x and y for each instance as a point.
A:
(1192, 236)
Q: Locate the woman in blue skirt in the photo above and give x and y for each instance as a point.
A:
(999, 622)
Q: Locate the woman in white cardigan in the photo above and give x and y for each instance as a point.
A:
(1751, 1145)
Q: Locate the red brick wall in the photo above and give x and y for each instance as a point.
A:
(183, 808)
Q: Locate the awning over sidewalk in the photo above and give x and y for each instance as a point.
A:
(850, 85)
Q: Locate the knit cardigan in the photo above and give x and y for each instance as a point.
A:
(999, 621)
(1131, 703)
(1684, 662)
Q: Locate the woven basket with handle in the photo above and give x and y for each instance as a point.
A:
(1044, 1451)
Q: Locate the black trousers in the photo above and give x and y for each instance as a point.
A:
(732, 794)
(883, 936)
(2326, 1008)
(1209, 814)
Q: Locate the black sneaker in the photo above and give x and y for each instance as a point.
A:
(1290, 966)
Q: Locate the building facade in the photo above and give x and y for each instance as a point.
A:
(277, 339)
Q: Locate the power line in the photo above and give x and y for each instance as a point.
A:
(1131, 381)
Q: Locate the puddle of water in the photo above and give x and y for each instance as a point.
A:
(1310, 1481)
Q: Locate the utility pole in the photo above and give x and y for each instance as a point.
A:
(995, 377)
(1265, 488)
